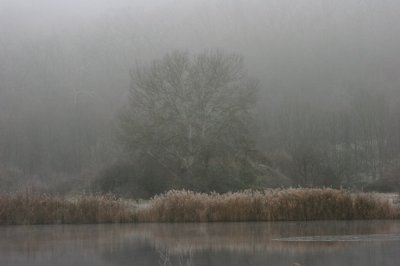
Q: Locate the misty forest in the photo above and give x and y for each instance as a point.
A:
(135, 97)
(199, 132)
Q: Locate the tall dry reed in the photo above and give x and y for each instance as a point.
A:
(187, 206)
(271, 205)
(28, 208)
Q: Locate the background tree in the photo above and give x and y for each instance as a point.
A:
(191, 115)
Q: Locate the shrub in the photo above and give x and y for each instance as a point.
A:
(124, 180)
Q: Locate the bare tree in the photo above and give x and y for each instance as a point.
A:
(185, 111)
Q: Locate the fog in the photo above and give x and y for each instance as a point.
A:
(327, 110)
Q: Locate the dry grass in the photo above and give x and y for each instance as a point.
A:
(28, 208)
(187, 206)
(272, 205)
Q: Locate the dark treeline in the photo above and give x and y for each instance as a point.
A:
(326, 114)
(351, 142)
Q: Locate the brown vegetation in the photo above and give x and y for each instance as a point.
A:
(271, 205)
(31, 208)
(187, 206)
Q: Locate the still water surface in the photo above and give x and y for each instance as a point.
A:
(220, 244)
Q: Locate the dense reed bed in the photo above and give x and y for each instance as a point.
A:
(187, 206)
(27, 208)
(271, 205)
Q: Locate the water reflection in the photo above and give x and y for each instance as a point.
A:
(198, 244)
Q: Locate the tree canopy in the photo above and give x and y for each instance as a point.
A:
(190, 113)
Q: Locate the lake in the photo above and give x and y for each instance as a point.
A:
(330, 243)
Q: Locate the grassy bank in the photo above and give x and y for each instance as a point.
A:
(187, 206)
